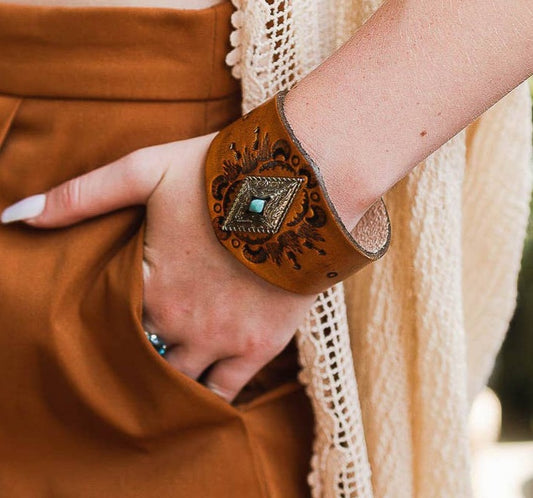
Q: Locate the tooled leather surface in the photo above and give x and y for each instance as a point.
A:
(311, 250)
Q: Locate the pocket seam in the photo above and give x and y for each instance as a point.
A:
(7, 122)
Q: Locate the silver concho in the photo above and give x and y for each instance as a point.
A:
(277, 194)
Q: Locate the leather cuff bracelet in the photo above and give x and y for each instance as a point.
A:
(269, 207)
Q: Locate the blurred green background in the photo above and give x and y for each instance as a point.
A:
(512, 379)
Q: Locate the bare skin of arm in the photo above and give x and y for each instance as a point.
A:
(414, 75)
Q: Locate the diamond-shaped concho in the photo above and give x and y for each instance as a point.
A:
(278, 192)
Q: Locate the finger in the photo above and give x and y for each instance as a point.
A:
(191, 362)
(229, 376)
(128, 181)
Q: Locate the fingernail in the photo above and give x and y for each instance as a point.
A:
(26, 208)
(217, 391)
(146, 270)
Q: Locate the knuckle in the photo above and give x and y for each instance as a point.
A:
(134, 160)
(165, 314)
(260, 345)
(170, 315)
(213, 331)
(237, 337)
(70, 195)
(140, 169)
(189, 367)
(132, 166)
(213, 334)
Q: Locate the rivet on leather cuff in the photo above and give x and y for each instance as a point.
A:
(269, 207)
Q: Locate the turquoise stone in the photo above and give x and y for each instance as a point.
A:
(257, 205)
(157, 343)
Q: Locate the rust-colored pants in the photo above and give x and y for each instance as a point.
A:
(88, 409)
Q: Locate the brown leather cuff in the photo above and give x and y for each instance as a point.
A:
(269, 207)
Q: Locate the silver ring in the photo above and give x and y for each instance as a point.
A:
(158, 343)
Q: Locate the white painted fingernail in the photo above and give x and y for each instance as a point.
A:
(26, 208)
(146, 270)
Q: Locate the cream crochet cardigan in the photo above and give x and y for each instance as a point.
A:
(392, 359)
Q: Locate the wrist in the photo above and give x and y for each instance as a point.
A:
(351, 196)
(270, 207)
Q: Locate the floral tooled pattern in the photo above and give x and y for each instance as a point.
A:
(299, 231)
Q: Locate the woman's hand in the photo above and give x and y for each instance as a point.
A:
(209, 308)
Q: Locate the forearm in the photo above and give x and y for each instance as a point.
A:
(415, 74)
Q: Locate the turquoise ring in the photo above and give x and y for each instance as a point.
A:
(158, 344)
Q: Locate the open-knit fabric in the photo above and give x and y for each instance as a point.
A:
(392, 358)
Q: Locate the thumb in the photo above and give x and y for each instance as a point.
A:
(129, 180)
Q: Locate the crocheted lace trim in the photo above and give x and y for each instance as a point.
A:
(264, 56)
